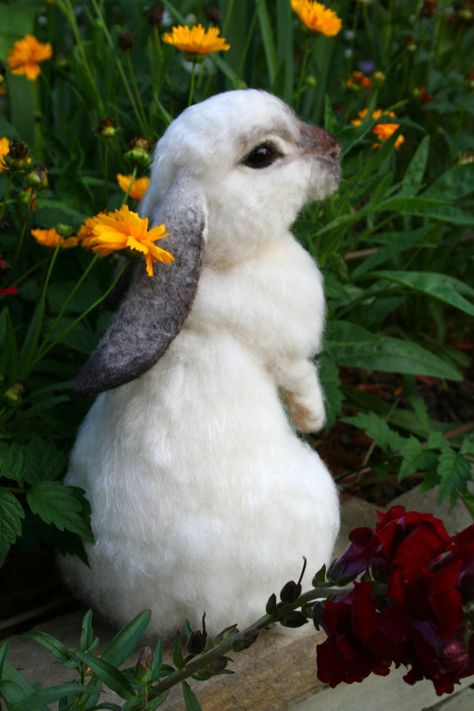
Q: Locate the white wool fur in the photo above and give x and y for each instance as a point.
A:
(203, 496)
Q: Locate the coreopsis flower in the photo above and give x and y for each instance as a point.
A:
(124, 229)
(135, 188)
(26, 55)
(382, 130)
(316, 17)
(413, 608)
(4, 150)
(196, 39)
(52, 238)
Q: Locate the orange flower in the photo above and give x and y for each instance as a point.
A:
(4, 149)
(86, 231)
(52, 238)
(123, 229)
(26, 55)
(358, 79)
(382, 130)
(316, 17)
(196, 40)
(138, 188)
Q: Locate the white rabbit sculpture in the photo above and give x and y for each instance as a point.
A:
(203, 496)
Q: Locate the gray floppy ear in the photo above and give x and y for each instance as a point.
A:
(154, 308)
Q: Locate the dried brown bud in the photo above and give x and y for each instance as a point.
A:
(125, 41)
(155, 15)
(18, 150)
(213, 14)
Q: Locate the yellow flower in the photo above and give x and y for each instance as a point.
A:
(196, 40)
(52, 238)
(4, 149)
(123, 229)
(382, 130)
(85, 233)
(139, 186)
(316, 17)
(26, 55)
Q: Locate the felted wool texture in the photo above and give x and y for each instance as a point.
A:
(203, 496)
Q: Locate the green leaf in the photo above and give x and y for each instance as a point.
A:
(413, 457)
(54, 693)
(267, 39)
(53, 645)
(15, 688)
(377, 429)
(467, 447)
(12, 461)
(178, 659)
(124, 643)
(63, 506)
(329, 376)
(87, 634)
(412, 180)
(353, 346)
(106, 672)
(190, 700)
(455, 472)
(455, 183)
(426, 207)
(3, 656)
(11, 516)
(439, 286)
(31, 462)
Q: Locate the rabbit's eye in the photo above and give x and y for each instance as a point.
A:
(262, 156)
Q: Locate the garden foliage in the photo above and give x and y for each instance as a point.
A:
(394, 84)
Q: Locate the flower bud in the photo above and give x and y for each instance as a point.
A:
(271, 607)
(64, 230)
(62, 63)
(294, 619)
(197, 639)
(155, 15)
(38, 177)
(218, 665)
(139, 155)
(144, 662)
(107, 127)
(15, 393)
(290, 592)
(125, 41)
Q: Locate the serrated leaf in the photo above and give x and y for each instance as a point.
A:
(467, 447)
(411, 452)
(190, 700)
(437, 441)
(11, 516)
(106, 672)
(44, 461)
(62, 506)
(126, 641)
(454, 472)
(377, 429)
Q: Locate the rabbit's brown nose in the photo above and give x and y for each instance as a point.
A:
(321, 142)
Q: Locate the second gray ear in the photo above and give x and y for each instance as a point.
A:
(155, 308)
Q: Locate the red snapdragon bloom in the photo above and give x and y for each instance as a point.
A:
(413, 610)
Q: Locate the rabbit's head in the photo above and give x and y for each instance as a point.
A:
(255, 162)
(229, 174)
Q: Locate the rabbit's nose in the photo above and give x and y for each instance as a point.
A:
(321, 142)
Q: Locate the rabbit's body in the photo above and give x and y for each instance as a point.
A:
(203, 496)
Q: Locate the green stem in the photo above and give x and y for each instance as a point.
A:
(143, 127)
(81, 317)
(302, 76)
(134, 175)
(135, 87)
(226, 645)
(191, 86)
(68, 11)
(6, 196)
(23, 231)
(68, 300)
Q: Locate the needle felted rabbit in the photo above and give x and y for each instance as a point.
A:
(203, 496)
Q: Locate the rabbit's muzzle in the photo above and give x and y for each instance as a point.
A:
(319, 142)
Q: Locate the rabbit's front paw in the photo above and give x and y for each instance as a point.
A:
(308, 414)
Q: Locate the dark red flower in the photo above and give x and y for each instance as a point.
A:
(357, 558)
(9, 291)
